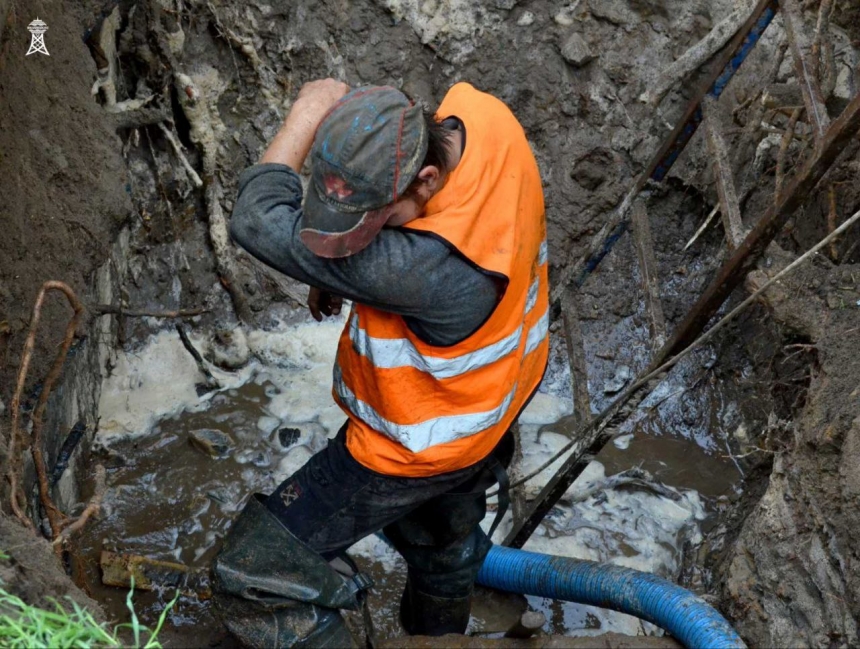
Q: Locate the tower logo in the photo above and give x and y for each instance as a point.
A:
(37, 44)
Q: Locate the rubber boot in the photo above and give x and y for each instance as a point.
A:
(425, 614)
(271, 590)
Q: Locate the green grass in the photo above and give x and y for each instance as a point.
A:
(25, 626)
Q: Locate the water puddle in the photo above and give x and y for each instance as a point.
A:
(180, 466)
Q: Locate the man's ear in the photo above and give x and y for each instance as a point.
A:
(431, 178)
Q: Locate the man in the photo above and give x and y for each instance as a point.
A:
(434, 228)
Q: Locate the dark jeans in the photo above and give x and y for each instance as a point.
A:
(334, 501)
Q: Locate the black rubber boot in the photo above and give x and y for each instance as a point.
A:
(271, 590)
(425, 614)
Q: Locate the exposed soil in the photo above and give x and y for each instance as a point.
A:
(62, 178)
(34, 573)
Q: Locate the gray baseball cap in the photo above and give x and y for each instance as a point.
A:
(366, 152)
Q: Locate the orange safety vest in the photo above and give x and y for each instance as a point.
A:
(416, 409)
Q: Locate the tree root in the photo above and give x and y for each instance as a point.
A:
(110, 309)
(16, 442)
(200, 110)
(69, 527)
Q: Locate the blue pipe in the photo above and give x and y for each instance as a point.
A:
(686, 616)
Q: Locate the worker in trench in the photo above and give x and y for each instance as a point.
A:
(433, 226)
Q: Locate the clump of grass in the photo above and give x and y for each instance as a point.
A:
(25, 626)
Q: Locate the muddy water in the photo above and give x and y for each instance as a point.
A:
(169, 499)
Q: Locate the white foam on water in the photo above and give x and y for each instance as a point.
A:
(157, 379)
(150, 383)
(627, 526)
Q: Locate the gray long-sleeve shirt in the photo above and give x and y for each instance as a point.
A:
(441, 296)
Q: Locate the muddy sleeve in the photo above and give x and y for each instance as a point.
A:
(441, 296)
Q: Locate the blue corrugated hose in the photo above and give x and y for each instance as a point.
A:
(686, 616)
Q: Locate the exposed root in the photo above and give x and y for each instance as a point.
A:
(211, 381)
(201, 111)
(71, 526)
(16, 444)
(177, 149)
(110, 309)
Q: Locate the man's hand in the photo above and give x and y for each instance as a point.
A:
(317, 97)
(322, 303)
(294, 140)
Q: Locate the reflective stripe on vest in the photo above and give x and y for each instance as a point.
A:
(390, 353)
(423, 435)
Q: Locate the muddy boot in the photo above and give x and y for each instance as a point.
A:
(425, 614)
(271, 590)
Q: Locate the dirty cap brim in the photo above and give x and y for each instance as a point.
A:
(338, 234)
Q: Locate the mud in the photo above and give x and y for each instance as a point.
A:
(807, 518)
(64, 187)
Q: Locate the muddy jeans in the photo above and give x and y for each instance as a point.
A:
(334, 501)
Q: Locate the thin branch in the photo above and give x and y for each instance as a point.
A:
(177, 149)
(211, 381)
(110, 309)
(704, 225)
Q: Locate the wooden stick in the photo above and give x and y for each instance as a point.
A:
(648, 270)
(723, 175)
(111, 309)
(576, 355)
(804, 68)
(697, 55)
(787, 137)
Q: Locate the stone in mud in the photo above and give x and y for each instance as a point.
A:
(576, 51)
(229, 349)
(619, 380)
(214, 443)
(288, 436)
(150, 574)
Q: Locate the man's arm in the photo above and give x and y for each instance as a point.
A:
(293, 142)
(441, 296)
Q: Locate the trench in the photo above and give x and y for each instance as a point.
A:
(181, 461)
(150, 421)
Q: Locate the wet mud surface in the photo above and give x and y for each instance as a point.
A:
(176, 483)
